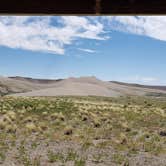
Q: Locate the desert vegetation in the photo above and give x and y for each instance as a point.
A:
(82, 131)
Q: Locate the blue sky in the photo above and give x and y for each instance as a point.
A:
(126, 48)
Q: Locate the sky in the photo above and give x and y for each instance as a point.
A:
(122, 48)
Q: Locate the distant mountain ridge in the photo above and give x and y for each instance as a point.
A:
(11, 85)
(141, 86)
(36, 80)
(82, 86)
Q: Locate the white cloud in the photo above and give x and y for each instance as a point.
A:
(53, 33)
(87, 50)
(151, 26)
(88, 29)
(141, 79)
(38, 33)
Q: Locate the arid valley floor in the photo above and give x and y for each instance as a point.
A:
(78, 131)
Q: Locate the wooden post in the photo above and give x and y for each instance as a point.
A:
(98, 7)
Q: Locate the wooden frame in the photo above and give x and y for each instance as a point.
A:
(83, 7)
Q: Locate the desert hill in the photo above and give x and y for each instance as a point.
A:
(141, 86)
(10, 85)
(83, 86)
(35, 80)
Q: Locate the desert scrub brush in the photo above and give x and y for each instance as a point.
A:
(28, 119)
(12, 115)
(84, 117)
(22, 111)
(45, 113)
(84, 112)
(21, 116)
(125, 127)
(7, 119)
(2, 124)
(10, 128)
(68, 130)
(96, 123)
(54, 116)
(93, 115)
(31, 127)
(43, 126)
(123, 138)
(104, 118)
(4, 111)
(61, 116)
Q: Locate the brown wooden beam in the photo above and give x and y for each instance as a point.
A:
(133, 6)
(83, 6)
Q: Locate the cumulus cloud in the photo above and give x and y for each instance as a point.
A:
(151, 26)
(39, 33)
(87, 50)
(52, 33)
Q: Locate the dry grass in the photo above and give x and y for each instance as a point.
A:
(126, 126)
